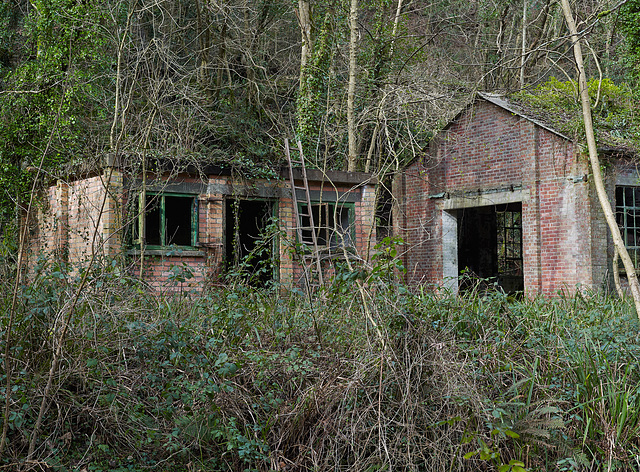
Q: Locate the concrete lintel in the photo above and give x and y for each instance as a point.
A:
(630, 179)
(486, 198)
(167, 253)
(336, 177)
(329, 196)
(248, 190)
(169, 186)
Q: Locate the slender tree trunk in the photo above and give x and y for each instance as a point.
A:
(352, 159)
(394, 32)
(304, 18)
(616, 274)
(524, 43)
(595, 162)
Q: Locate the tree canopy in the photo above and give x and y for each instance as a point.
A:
(188, 81)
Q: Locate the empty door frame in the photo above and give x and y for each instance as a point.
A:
(450, 208)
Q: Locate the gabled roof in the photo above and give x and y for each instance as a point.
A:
(607, 145)
(514, 108)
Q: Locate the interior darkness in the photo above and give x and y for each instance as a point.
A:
(245, 250)
(152, 221)
(490, 247)
(177, 215)
(331, 223)
(322, 219)
(384, 216)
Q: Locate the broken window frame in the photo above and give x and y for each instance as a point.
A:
(628, 219)
(329, 235)
(509, 242)
(158, 200)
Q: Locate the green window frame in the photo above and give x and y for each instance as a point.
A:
(333, 224)
(628, 219)
(166, 220)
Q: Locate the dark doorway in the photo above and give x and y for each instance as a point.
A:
(490, 247)
(249, 250)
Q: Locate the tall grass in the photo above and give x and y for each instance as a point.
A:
(261, 380)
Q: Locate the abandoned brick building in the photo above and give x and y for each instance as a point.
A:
(506, 198)
(499, 196)
(204, 224)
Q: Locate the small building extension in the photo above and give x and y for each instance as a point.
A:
(193, 228)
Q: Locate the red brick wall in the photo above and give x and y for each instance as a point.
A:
(70, 217)
(291, 272)
(485, 152)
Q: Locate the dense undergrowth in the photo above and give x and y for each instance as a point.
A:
(237, 379)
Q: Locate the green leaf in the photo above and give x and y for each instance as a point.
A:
(511, 434)
(469, 455)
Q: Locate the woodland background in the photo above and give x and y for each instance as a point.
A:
(364, 84)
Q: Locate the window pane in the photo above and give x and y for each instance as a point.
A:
(509, 242)
(331, 225)
(628, 218)
(342, 235)
(152, 221)
(322, 222)
(177, 217)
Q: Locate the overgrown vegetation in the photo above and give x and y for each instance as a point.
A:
(615, 111)
(248, 380)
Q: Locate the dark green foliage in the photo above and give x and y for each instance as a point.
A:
(630, 25)
(52, 91)
(242, 379)
(314, 87)
(615, 111)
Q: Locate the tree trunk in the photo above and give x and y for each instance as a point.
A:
(352, 159)
(524, 44)
(595, 162)
(304, 18)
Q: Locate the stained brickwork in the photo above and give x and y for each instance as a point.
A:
(490, 156)
(91, 216)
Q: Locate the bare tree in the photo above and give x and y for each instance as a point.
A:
(352, 158)
(618, 242)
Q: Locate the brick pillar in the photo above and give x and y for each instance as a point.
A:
(285, 215)
(366, 221)
(211, 229)
(531, 224)
(112, 225)
(61, 221)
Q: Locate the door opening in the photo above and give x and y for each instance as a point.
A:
(249, 250)
(490, 247)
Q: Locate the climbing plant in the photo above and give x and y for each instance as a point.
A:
(311, 103)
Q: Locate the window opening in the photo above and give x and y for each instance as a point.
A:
(509, 226)
(249, 248)
(332, 224)
(384, 214)
(628, 218)
(168, 220)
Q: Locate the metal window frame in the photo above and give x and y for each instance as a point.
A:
(624, 213)
(509, 244)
